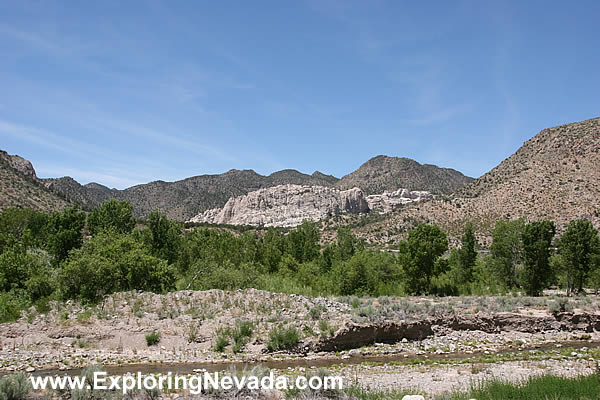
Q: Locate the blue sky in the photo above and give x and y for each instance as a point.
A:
(127, 92)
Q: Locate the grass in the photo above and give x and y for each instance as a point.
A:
(222, 340)
(537, 388)
(240, 334)
(153, 338)
(282, 338)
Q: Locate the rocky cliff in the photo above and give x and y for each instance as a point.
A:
(18, 163)
(20, 187)
(388, 201)
(289, 205)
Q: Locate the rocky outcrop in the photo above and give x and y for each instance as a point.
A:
(388, 201)
(355, 335)
(286, 205)
(289, 205)
(19, 163)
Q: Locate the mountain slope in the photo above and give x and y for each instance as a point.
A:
(19, 186)
(555, 175)
(186, 198)
(383, 173)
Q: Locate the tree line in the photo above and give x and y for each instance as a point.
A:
(73, 255)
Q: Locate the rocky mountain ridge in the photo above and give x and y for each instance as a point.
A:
(383, 173)
(184, 199)
(20, 187)
(289, 205)
(555, 175)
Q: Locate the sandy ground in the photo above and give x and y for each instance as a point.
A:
(113, 334)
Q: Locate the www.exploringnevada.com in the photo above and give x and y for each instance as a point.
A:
(195, 384)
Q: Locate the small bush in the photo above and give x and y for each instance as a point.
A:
(84, 316)
(153, 338)
(14, 387)
(240, 334)
(193, 333)
(315, 312)
(561, 305)
(222, 340)
(282, 338)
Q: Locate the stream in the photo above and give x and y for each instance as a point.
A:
(282, 364)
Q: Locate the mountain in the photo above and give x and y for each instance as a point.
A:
(184, 199)
(181, 200)
(88, 196)
(383, 173)
(555, 175)
(20, 187)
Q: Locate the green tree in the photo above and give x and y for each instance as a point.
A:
(111, 215)
(507, 250)
(467, 255)
(162, 236)
(347, 244)
(273, 247)
(24, 224)
(537, 239)
(303, 242)
(110, 262)
(65, 232)
(579, 247)
(419, 256)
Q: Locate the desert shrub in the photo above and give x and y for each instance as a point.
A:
(222, 340)
(282, 338)
(561, 305)
(240, 334)
(152, 338)
(316, 311)
(14, 387)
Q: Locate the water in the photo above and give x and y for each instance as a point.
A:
(188, 368)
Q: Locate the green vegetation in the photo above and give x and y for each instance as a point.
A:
(68, 255)
(222, 340)
(153, 338)
(282, 338)
(14, 387)
(538, 388)
(580, 251)
(239, 334)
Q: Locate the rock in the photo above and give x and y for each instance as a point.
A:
(30, 369)
(388, 201)
(413, 397)
(19, 163)
(354, 353)
(286, 205)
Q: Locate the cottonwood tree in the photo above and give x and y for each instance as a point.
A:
(537, 241)
(507, 250)
(580, 248)
(467, 255)
(112, 215)
(419, 256)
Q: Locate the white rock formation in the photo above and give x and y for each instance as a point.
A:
(289, 205)
(286, 205)
(387, 201)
